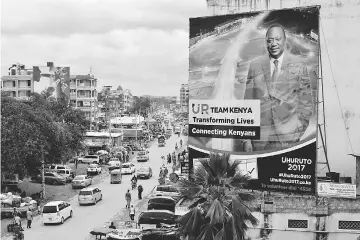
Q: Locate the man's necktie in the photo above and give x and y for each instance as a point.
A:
(275, 74)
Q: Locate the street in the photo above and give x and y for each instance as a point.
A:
(86, 218)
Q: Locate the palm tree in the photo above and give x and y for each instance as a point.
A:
(223, 213)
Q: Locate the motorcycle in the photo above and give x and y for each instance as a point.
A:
(176, 146)
(18, 233)
(133, 184)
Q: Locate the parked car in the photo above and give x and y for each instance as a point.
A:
(142, 156)
(114, 163)
(93, 169)
(128, 168)
(52, 178)
(81, 181)
(55, 167)
(156, 217)
(89, 159)
(144, 172)
(56, 212)
(166, 190)
(68, 173)
(89, 195)
(162, 203)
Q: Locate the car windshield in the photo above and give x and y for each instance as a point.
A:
(49, 209)
(126, 166)
(85, 193)
(93, 165)
(142, 153)
(79, 178)
(143, 169)
(60, 167)
(91, 157)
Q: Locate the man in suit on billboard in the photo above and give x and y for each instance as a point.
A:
(282, 83)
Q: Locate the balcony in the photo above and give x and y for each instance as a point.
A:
(86, 109)
(87, 97)
(85, 87)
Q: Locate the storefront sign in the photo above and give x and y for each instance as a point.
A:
(336, 190)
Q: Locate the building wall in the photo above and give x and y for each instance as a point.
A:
(184, 95)
(19, 83)
(83, 94)
(340, 60)
(322, 215)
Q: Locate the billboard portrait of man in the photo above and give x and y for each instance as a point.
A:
(281, 81)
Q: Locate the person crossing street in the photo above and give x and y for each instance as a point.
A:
(140, 190)
(128, 198)
(132, 212)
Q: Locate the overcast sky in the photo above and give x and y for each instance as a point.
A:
(141, 45)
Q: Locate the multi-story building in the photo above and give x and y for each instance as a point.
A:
(113, 102)
(18, 83)
(83, 94)
(184, 96)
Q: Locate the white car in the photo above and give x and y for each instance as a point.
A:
(89, 195)
(142, 156)
(128, 168)
(89, 159)
(56, 212)
(94, 168)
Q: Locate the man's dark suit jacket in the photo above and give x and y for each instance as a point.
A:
(286, 103)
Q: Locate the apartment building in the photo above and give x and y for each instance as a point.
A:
(113, 102)
(18, 83)
(83, 94)
(184, 96)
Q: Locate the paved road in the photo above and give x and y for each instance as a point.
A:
(88, 217)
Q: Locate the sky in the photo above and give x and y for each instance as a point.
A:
(141, 45)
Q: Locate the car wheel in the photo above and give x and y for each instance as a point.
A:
(95, 201)
(62, 220)
(71, 214)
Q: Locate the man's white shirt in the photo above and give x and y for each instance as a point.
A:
(272, 65)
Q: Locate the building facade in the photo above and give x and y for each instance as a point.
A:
(113, 102)
(184, 96)
(310, 217)
(18, 83)
(83, 94)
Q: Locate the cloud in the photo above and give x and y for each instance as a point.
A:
(141, 45)
(67, 17)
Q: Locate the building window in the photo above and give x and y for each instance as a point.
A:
(13, 71)
(349, 225)
(292, 223)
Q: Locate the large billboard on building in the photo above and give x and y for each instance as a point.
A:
(253, 84)
(55, 79)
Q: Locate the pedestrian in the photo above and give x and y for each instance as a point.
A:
(179, 155)
(112, 225)
(132, 212)
(128, 198)
(15, 212)
(140, 190)
(29, 218)
(39, 208)
(76, 162)
(169, 158)
(17, 220)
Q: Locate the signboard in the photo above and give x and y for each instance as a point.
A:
(253, 83)
(55, 79)
(185, 167)
(328, 189)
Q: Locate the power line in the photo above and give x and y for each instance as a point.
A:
(337, 93)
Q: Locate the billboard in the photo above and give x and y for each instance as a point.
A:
(253, 89)
(55, 79)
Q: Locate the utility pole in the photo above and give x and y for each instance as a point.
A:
(43, 173)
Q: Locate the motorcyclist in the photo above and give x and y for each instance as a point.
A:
(176, 146)
(181, 142)
(134, 179)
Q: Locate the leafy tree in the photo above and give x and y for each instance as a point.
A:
(140, 105)
(223, 213)
(36, 125)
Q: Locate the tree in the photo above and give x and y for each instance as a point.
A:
(223, 213)
(29, 127)
(140, 105)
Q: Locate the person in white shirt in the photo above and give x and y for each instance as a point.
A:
(132, 212)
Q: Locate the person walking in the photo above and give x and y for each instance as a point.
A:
(76, 163)
(17, 220)
(132, 212)
(128, 198)
(29, 218)
(140, 190)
